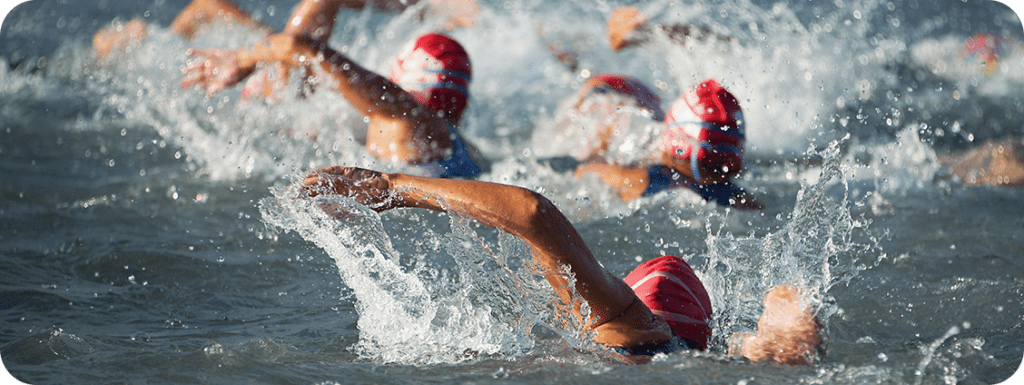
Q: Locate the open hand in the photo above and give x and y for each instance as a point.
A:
(623, 27)
(370, 188)
(214, 70)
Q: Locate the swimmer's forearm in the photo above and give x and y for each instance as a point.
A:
(367, 92)
(526, 214)
(316, 17)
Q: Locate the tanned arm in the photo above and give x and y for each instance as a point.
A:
(617, 316)
(629, 182)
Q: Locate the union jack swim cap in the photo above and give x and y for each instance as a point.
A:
(668, 287)
(645, 97)
(705, 126)
(435, 69)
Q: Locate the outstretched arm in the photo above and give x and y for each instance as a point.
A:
(617, 316)
(201, 12)
(627, 27)
(316, 17)
(368, 92)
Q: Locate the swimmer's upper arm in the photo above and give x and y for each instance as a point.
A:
(554, 241)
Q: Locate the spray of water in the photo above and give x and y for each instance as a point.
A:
(487, 300)
(815, 250)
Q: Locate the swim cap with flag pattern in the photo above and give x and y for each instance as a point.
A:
(436, 70)
(705, 125)
(645, 97)
(668, 287)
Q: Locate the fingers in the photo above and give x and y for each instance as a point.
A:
(203, 71)
(195, 70)
(367, 187)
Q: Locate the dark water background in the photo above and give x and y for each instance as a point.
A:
(138, 243)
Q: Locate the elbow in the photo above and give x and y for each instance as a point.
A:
(538, 213)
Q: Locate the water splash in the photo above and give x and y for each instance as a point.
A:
(815, 249)
(929, 353)
(417, 311)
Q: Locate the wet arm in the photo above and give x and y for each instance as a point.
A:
(368, 92)
(528, 215)
(554, 241)
(199, 12)
(629, 182)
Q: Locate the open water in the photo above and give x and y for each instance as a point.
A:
(142, 241)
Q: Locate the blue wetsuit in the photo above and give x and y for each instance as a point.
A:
(661, 177)
(459, 164)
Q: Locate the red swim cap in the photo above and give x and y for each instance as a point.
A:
(668, 287)
(435, 69)
(705, 125)
(645, 97)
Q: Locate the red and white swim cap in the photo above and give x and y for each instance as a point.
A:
(705, 125)
(645, 97)
(435, 69)
(668, 287)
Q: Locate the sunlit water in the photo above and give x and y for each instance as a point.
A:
(143, 240)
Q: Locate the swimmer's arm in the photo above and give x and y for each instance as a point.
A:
(629, 182)
(616, 314)
(199, 12)
(368, 92)
(317, 17)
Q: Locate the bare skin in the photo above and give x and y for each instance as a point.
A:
(627, 27)
(617, 319)
(630, 182)
(785, 322)
(401, 129)
(993, 163)
(315, 18)
(617, 316)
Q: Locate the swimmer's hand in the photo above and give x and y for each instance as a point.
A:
(624, 28)
(214, 70)
(787, 333)
(370, 188)
(118, 38)
(457, 13)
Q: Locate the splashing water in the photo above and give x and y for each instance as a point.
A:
(411, 311)
(814, 250)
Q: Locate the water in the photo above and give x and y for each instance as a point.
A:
(142, 239)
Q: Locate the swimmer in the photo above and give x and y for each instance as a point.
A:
(700, 147)
(312, 17)
(660, 307)
(996, 163)
(412, 114)
(988, 48)
(628, 28)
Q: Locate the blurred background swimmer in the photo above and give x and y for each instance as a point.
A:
(987, 49)
(315, 18)
(627, 27)
(412, 115)
(994, 163)
(699, 147)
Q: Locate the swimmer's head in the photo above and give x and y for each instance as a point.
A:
(670, 288)
(435, 69)
(644, 96)
(705, 128)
